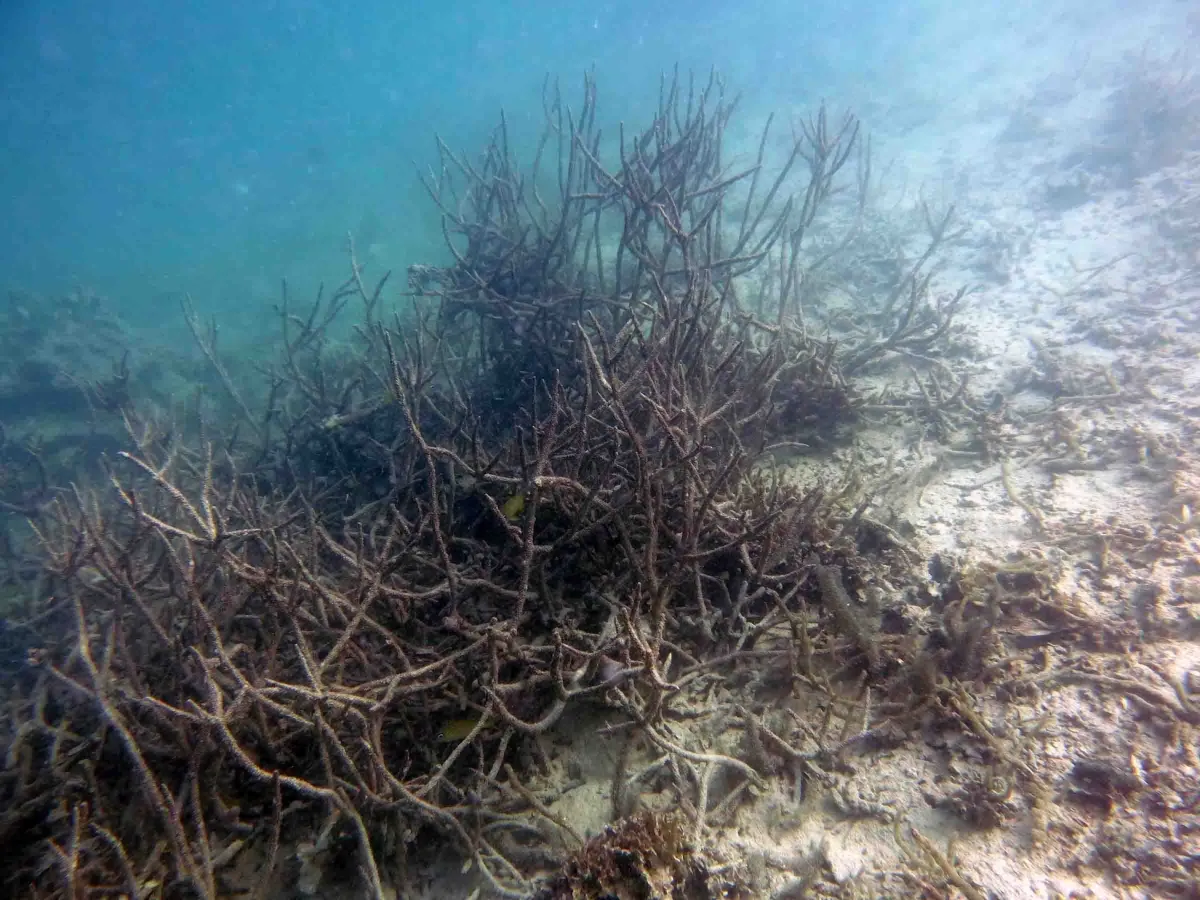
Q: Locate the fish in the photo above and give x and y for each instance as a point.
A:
(455, 730)
(514, 506)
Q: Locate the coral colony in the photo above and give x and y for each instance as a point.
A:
(334, 627)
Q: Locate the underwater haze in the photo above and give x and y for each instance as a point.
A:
(149, 149)
(636, 448)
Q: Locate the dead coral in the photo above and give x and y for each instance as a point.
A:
(645, 857)
(547, 472)
(984, 800)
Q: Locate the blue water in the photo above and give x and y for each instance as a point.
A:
(154, 148)
(150, 148)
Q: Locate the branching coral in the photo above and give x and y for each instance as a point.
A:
(539, 488)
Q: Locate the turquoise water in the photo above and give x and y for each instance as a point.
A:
(154, 148)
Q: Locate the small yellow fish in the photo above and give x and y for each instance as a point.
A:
(514, 506)
(456, 729)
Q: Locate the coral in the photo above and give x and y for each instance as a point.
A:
(644, 857)
(336, 630)
(295, 616)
